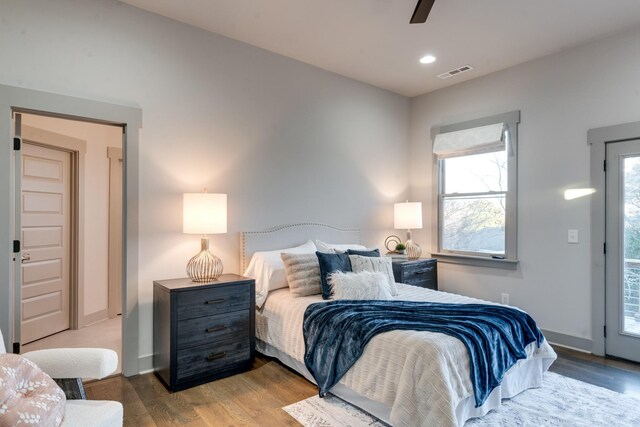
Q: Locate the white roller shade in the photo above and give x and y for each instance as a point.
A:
(483, 139)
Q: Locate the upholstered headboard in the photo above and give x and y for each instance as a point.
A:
(286, 236)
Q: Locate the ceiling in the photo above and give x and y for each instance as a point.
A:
(372, 40)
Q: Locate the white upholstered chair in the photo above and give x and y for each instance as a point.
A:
(92, 363)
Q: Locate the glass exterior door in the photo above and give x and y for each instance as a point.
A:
(623, 250)
(631, 230)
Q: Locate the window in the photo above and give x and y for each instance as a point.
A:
(476, 175)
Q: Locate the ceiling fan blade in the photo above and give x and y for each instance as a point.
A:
(422, 11)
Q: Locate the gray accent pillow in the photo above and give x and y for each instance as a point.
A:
(376, 265)
(303, 274)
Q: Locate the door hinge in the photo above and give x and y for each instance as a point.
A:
(604, 247)
(604, 166)
(17, 143)
(16, 348)
(605, 331)
(16, 246)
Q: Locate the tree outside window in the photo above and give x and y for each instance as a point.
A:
(474, 203)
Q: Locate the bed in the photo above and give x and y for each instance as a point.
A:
(404, 378)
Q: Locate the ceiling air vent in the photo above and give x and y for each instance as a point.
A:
(455, 72)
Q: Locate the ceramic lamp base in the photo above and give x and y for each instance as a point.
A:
(413, 249)
(205, 266)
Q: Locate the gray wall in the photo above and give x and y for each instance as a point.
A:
(560, 97)
(288, 142)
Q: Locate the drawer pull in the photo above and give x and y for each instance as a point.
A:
(426, 270)
(216, 328)
(215, 301)
(215, 356)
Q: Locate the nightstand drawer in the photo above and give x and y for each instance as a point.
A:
(202, 330)
(419, 272)
(213, 301)
(423, 282)
(221, 356)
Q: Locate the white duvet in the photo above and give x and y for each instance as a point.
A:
(422, 376)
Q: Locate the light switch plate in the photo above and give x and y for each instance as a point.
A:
(504, 299)
(572, 236)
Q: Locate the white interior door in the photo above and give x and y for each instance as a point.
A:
(46, 214)
(623, 250)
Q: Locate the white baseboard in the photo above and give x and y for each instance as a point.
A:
(145, 364)
(569, 341)
(90, 319)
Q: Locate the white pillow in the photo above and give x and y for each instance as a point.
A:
(267, 269)
(359, 286)
(330, 247)
(376, 265)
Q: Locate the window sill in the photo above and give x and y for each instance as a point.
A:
(478, 261)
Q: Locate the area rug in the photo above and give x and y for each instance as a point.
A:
(561, 402)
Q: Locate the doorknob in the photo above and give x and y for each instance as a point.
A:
(26, 257)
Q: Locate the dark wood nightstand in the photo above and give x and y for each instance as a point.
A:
(421, 272)
(202, 331)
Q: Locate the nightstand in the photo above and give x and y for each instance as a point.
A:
(202, 331)
(421, 272)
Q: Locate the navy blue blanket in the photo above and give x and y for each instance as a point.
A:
(336, 333)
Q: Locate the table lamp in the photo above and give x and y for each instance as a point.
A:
(204, 213)
(406, 216)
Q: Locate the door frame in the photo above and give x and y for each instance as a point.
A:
(114, 154)
(598, 138)
(77, 148)
(15, 99)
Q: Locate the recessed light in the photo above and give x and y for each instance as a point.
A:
(428, 59)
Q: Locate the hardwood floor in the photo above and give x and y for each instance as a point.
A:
(616, 375)
(255, 398)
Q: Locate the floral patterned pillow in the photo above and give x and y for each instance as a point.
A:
(27, 394)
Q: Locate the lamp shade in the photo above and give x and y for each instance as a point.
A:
(407, 215)
(204, 213)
